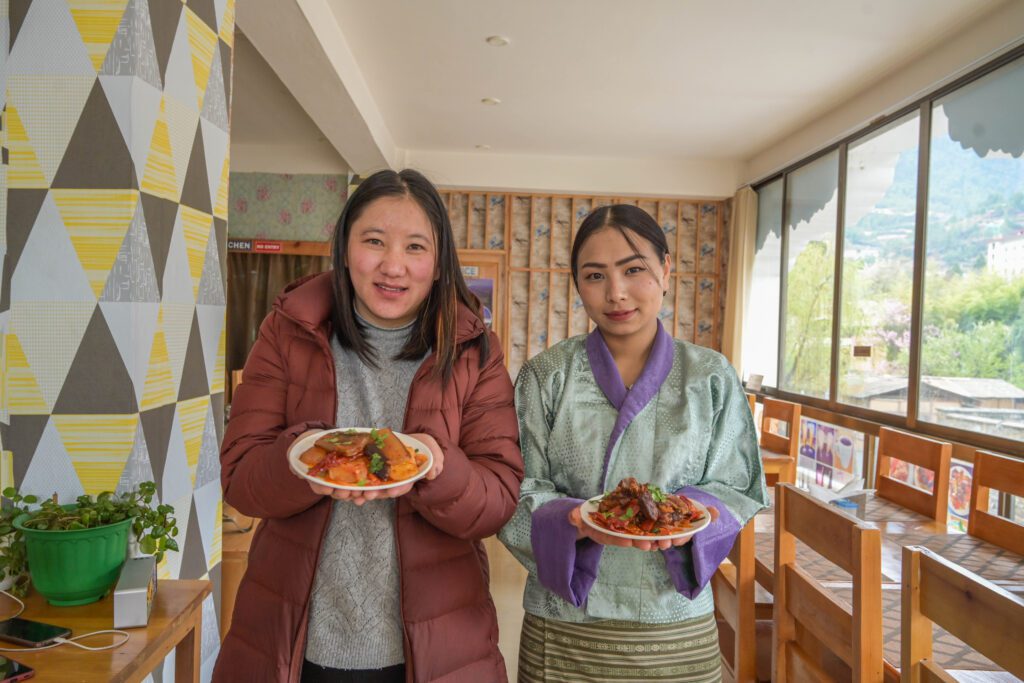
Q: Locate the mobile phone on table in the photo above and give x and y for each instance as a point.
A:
(31, 633)
(11, 671)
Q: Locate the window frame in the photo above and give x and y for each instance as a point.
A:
(831, 408)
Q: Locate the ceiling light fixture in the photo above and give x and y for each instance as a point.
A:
(497, 41)
(492, 101)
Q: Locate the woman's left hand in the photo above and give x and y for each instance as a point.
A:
(435, 450)
(676, 542)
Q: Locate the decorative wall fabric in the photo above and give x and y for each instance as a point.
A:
(742, 234)
(274, 206)
(254, 281)
(535, 231)
(114, 258)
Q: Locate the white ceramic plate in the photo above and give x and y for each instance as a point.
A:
(591, 506)
(303, 445)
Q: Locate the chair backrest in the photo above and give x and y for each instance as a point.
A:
(733, 585)
(816, 638)
(1003, 474)
(983, 615)
(785, 412)
(752, 400)
(920, 451)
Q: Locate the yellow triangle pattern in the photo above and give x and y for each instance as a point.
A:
(159, 178)
(97, 22)
(192, 416)
(24, 171)
(203, 42)
(99, 446)
(227, 24)
(220, 209)
(218, 535)
(97, 222)
(197, 226)
(217, 381)
(22, 390)
(159, 387)
(7, 478)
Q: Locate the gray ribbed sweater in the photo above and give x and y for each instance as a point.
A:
(355, 619)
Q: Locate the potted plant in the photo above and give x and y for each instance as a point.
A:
(74, 552)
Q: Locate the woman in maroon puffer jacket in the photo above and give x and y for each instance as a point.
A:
(374, 586)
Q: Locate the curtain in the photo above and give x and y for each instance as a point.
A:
(742, 233)
(254, 281)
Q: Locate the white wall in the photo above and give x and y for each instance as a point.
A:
(712, 178)
(286, 158)
(992, 35)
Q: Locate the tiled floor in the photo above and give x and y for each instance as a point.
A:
(507, 580)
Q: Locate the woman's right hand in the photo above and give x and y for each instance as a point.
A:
(584, 530)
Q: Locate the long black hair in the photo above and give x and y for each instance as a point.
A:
(627, 219)
(435, 325)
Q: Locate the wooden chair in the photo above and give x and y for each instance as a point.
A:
(752, 400)
(779, 453)
(983, 615)
(816, 638)
(733, 585)
(921, 451)
(1003, 474)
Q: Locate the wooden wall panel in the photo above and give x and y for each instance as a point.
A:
(535, 232)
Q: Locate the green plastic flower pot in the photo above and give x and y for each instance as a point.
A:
(75, 567)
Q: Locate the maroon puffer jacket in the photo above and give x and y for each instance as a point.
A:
(451, 630)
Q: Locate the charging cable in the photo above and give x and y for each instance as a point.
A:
(64, 641)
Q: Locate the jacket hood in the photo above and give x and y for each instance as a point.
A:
(309, 300)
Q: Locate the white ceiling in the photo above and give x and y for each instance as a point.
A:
(655, 79)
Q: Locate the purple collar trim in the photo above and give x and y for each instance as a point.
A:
(629, 402)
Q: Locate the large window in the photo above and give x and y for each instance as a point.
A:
(810, 274)
(972, 361)
(930, 280)
(878, 267)
(761, 345)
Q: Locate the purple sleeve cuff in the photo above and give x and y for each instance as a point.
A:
(691, 566)
(565, 566)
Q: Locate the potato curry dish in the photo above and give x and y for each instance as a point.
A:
(355, 458)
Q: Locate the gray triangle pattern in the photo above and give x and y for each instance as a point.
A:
(132, 52)
(193, 557)
(133, 275)
(137, 468)
(208, 467)
(211, 284)
(215, 101)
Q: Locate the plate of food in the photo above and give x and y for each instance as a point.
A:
(644, 512)
(360, 459)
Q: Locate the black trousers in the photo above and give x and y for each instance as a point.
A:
(314, 673)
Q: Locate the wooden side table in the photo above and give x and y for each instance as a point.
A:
(176, 621)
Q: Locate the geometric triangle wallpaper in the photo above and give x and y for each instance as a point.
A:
(114, 131)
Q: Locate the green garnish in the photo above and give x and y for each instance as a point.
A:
(656, 493)
(628, 515)
(376, 463)
(362, 482)
(377, 438)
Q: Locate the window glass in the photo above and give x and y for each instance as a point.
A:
(811, 211)
(761, 327)
(972, 363)
(878, 267)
